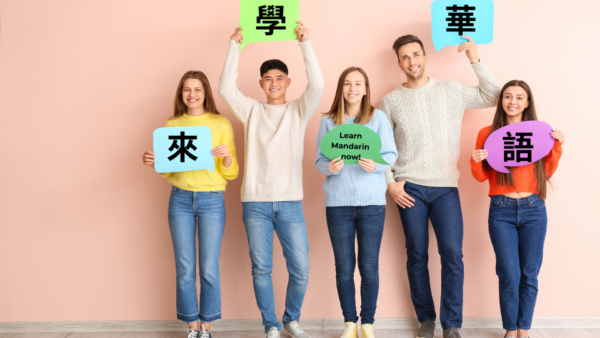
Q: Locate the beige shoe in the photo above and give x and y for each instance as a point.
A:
(351, 330)
(366, 331)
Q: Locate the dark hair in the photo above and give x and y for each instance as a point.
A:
(273, 64)
(209, 102)
(500, 120)
(404, 40)
(338, 109)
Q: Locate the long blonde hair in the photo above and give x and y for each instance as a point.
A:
(338, 109)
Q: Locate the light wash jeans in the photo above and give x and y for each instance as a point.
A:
(209, 208)
(287, 220)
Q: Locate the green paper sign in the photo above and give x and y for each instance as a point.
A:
(268, 20)
(352, 142)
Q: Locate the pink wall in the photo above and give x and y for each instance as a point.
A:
(83, 227)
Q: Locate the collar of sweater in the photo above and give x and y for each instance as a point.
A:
(425, 88)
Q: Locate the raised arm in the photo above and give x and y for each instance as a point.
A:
(309, 101)
(239, 104)
(485, 94)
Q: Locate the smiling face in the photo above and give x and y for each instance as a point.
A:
(354, 88)
(193, 94)
(412, 60)
(514, 101)
(275, 83)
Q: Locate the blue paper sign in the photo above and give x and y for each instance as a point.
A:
(182, 149)
(452, 19)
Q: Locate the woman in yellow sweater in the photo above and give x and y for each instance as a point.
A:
(197, 201)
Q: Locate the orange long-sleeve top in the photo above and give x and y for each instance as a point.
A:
(524, 177)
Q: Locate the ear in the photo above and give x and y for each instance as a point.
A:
(289, 81)
(426, 57)
(260, 83)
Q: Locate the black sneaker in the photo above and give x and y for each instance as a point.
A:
(193, 333)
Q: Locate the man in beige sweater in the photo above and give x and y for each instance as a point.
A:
(272, 187)
(426, 116)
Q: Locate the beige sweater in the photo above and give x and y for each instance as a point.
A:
(427, 122)
(274, 135)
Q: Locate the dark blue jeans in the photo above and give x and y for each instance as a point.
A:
(442, 207)
(517, 230)
(366, 223)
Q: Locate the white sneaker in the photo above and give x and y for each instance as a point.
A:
(273, 333)
(192, 333)
(294, 329)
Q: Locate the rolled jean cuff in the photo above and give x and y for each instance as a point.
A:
(187, 318)
(210, 318)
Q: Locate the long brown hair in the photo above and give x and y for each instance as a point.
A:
(209, 102)
(501, 120)
(338, 108)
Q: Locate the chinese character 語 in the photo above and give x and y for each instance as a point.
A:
(523, 147)
(460, 21)
(271, 15)
(182, 150)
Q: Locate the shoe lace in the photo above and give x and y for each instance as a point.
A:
(192, 333)
(350, 327)
(368, 331)
(203, 333)
(296, 329)
(272, 333)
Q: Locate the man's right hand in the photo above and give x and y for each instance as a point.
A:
(401, 198)
(237, 36)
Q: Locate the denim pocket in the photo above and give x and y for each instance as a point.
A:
(537, 203)
(219, 192)
(175, 190)
(496, 204)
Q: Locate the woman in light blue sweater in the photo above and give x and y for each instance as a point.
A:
(355, 200)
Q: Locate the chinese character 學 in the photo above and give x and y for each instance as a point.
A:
(182, 150)
(460, 20)
(523, 148)
(272, 15)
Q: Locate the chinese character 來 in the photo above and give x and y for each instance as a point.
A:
(460, 21)
(272, 15)
(182, 150)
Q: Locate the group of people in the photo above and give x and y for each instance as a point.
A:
(420, 125)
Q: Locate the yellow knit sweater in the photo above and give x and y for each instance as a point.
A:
(204, 180)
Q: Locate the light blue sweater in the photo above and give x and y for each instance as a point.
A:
(353, 186)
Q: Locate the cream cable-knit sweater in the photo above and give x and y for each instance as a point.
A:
(427, 122)
(274, 134)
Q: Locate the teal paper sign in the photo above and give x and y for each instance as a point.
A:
(453, 19)
(352, 142)
(268, 20)
(182, 149)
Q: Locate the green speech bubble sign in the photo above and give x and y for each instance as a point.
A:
(268, 20)
(352, 142)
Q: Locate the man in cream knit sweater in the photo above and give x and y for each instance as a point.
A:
(426, 116)
(272, 187)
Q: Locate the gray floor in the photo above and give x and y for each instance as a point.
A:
(466, 333)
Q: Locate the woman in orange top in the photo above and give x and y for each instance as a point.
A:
(517, 217)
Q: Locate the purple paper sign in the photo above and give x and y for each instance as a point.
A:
(518, 144)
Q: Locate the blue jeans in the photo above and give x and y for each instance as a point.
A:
(287, 220)
(367, 223)
(442, 207)
(209, 207)
(517, 230)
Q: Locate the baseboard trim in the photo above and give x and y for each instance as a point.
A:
(255, 324)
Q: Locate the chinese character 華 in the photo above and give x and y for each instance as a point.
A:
(271, 15)
(460, 21)
(182, 150)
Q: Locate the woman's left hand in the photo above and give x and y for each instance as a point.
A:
(558, 135)
(367, 165)
(221, 151)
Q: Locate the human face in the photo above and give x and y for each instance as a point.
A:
(192, 94)
(412, 60)
(354, 88)
(275, 83)
(514, 102)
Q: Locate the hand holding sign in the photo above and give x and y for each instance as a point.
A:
(518, 144)
(352, 142)
(270, 20)
(451, 20)
(182, 149)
